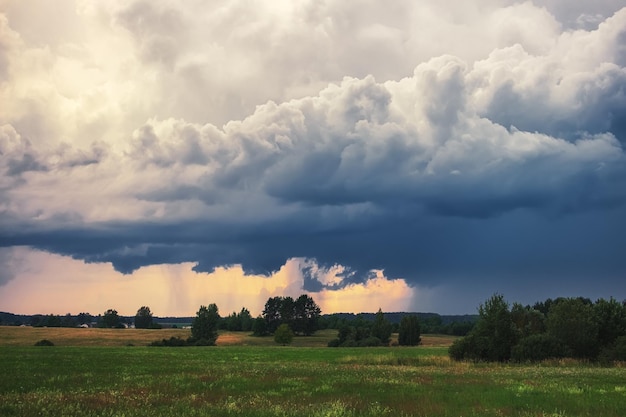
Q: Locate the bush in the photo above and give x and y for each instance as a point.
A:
(615, 352)
(371, 341)
(201, 342)
(459, 348)
(619, 349)
(538, 347)
(44, 342)
(470, 347)
(573, 321)
(333, 343)
(171, 342)
(283, 334)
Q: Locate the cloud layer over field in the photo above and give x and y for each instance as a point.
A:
(476, 147)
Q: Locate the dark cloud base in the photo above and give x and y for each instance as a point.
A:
(515, 250)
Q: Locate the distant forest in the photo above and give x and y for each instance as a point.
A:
(304, 317)
(431, 323)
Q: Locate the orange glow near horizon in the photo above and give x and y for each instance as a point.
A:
(45, 283)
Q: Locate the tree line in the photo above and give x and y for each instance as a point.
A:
(377, 332)
(430, 323)
(296, 313)
(564, 327)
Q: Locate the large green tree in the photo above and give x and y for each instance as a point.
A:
(301, 315)
(272, 313)
(611, 318)
(143, 318)
(409, 333)
(306, 315)
(572, 320)
(493, 336)
(204, 326)
(381, 328)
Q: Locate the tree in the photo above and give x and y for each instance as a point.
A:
(493, 336)
(301, 315)
(287, 310)
(245, 318)
(495, 327)
(409, 332)
(232, 323)
(306, 315)
(381, 328)
(111, 319)
(347, 335)
(272, 313)
(572, 320)
(283, 334)
(259, 327)
(143, 318)
(204, 326)
(527, 321)
(611, 318)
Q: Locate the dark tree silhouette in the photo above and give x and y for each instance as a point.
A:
(204, 326)
(409, 333)
(143, 318)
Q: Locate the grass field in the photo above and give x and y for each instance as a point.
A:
(60, 336)
(237, 378)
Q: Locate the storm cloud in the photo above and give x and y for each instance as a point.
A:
(439, 145)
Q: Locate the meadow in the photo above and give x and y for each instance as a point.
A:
(98, 372)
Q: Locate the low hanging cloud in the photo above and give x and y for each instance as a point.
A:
(177, 290)
(476, 163)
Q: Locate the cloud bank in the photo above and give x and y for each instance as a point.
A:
(480, 142)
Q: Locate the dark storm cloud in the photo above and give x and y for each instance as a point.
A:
(499, 169)
(349, 177)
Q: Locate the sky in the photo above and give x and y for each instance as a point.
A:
(408, 156)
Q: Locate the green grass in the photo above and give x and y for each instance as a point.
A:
(295, 381)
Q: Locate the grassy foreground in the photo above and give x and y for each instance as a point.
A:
(271, 380)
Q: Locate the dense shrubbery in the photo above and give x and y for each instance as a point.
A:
(238, 322)
(429, 323)
(615, 351)
(283, 335)
(44, 342)
(171, 342)
(565, 327)
(539, 347)
(363, 333)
